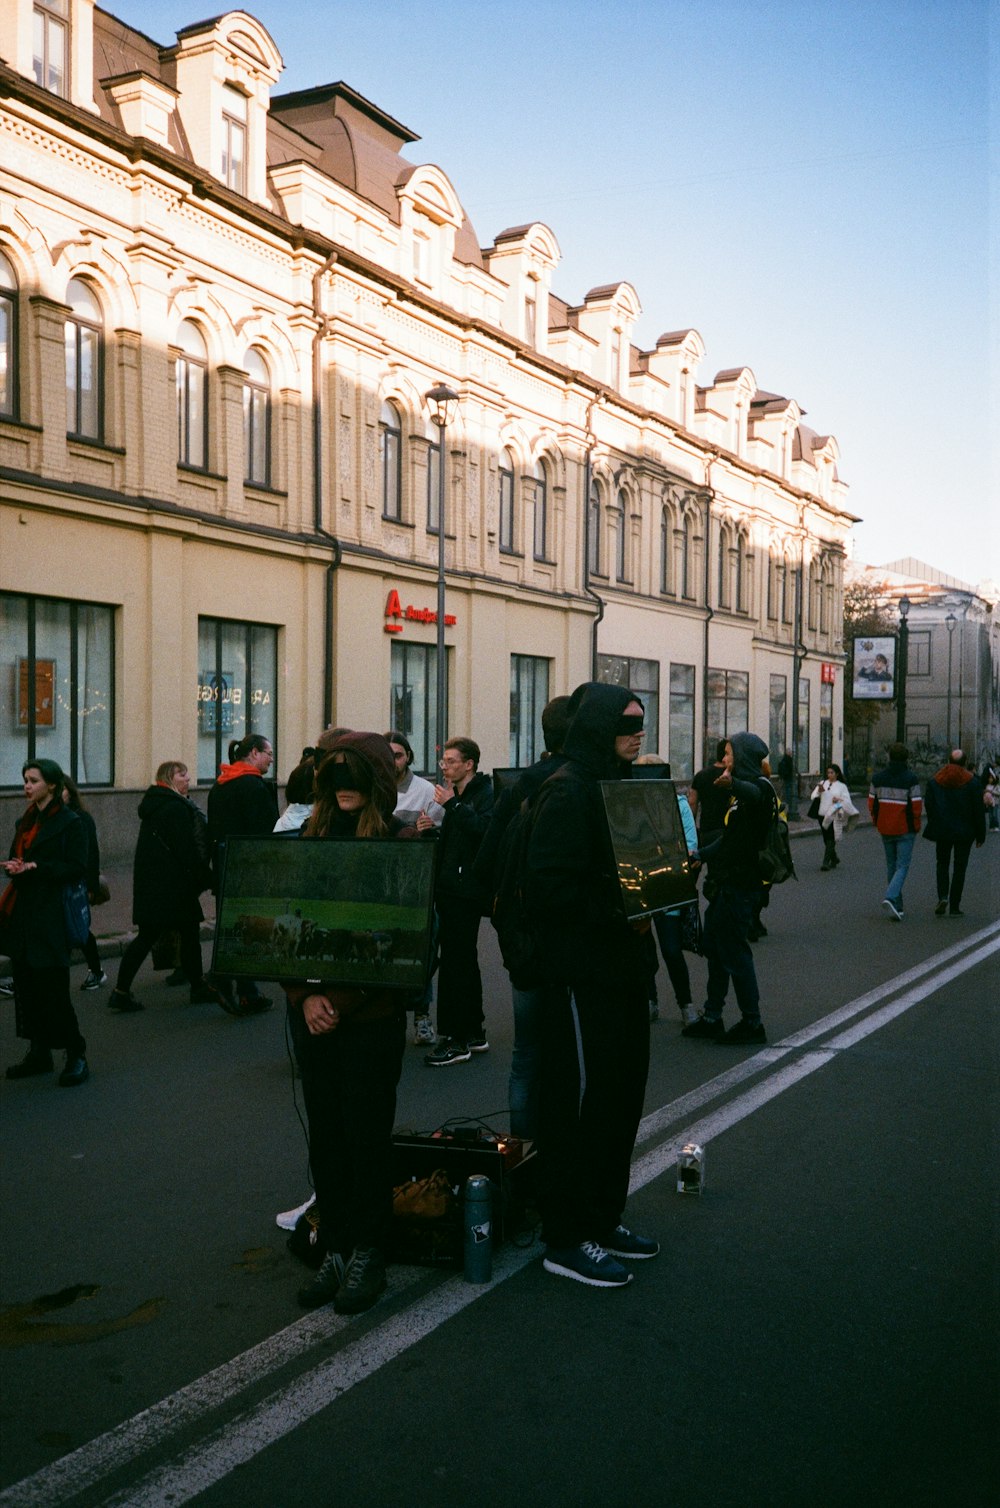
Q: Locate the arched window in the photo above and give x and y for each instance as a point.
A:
(390, 455)
(687, 558)
(666, 550)
(192, 396)
(84, 362)
(594, 528)
(257, 419)
(234, 139)
(621, 539)
(434, 479)
(541, 532)
(507, 502)
(8, 340)
(725, 545)
(742, 576)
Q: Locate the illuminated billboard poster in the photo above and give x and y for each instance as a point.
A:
(874, 670)
(348, 911)
(647, 836)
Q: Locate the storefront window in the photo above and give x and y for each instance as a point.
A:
(825, 724)
(237, 689)
(727, 707)
(56, 687)
(529, 691)
(777, 721)
(642, 677)
(681, 747)
(413, 700)
(804, 725)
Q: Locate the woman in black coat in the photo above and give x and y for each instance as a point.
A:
(48, 853)
(71, 795)
(170, 872)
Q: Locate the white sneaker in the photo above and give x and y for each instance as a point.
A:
(290, 1218)
(689, 1014)
(7, 987)
(424, 1034)
(893, 910)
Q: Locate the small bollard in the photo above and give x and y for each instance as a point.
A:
(691, 1169)
(477, 1212)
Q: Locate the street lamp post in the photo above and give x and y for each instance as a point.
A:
(443, 404)
(949, 624)
(904, 612)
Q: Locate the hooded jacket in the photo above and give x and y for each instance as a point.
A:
(955, 810)
(572, 878)
(734, 860)
(894, 801)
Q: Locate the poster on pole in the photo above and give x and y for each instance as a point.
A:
(874, 669)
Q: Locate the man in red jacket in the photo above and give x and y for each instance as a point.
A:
(956, 818)
(896, 808)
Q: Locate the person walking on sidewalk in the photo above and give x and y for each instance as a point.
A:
(835, 807)
(956, 818)
(896, 808)
(732, 887)
(169, 874)
(49, 852)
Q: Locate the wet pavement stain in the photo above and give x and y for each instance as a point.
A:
(25, 1325)
(256, 1259)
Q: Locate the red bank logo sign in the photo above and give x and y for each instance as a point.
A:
(396, 615)
(828, 674)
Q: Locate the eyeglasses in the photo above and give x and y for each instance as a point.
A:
(445, 764)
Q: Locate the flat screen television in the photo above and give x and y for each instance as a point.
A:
(647, 837)
(347, 911)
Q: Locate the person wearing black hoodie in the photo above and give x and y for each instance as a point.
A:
(595, 1017)
(733, 887)
(956, 818)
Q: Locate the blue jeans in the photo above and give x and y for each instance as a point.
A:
(898, 853)
(728, 953)
(669, 933)
(525, 1062)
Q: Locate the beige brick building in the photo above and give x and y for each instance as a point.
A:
(221, 310)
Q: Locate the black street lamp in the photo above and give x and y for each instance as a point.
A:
(949, 624)
(443, 404)
(904, 612)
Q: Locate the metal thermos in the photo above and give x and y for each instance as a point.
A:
(478, 1216)
(691, 1169)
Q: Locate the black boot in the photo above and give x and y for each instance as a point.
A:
(37, 1060)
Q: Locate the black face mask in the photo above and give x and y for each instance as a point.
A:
(339, 778)
(630, 724)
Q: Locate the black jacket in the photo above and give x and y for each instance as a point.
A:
(572, 877)
(36, 930)
(954, 803)
(734, 859)
(93, 874)
(525, 788)
(171, 866)
(466, 818)
(246, 807)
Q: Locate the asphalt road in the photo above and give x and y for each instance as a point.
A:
(819, 1329)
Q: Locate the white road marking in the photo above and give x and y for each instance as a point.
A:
(241, 1438)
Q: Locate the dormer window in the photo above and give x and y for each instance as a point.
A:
(616, 357)
(50, 45)
(422, 254)
(234, 140)
(530, 312)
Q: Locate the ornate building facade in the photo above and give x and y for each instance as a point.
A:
(221, 311)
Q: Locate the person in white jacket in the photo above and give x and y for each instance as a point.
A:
(835, 809)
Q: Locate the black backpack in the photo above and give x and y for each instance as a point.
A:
(775, 855)
(511, 918)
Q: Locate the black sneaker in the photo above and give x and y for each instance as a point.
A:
(705, 1027)
(622, 1242)
(364, 1281)
(123, 1000)
(204, 993)
(322, 1289)
(76, 1072)
(252, 1005)
(941, 908)
(447, 1052)
(744, 1033)
(34, 1062)
(94, 981)
(175, 977)
(588, 1263)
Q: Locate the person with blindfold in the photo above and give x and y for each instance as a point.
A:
(595, 1016)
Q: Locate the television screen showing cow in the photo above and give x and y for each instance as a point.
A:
(341, 910)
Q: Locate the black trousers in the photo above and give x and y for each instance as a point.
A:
(951, 890)
(141, 946)
(460, 985)
(594, 1062)
(44, 1010)
(349, 1079)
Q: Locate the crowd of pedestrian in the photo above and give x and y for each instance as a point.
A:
(582, 1000)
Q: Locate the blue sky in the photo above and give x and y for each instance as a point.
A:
(807, 184)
